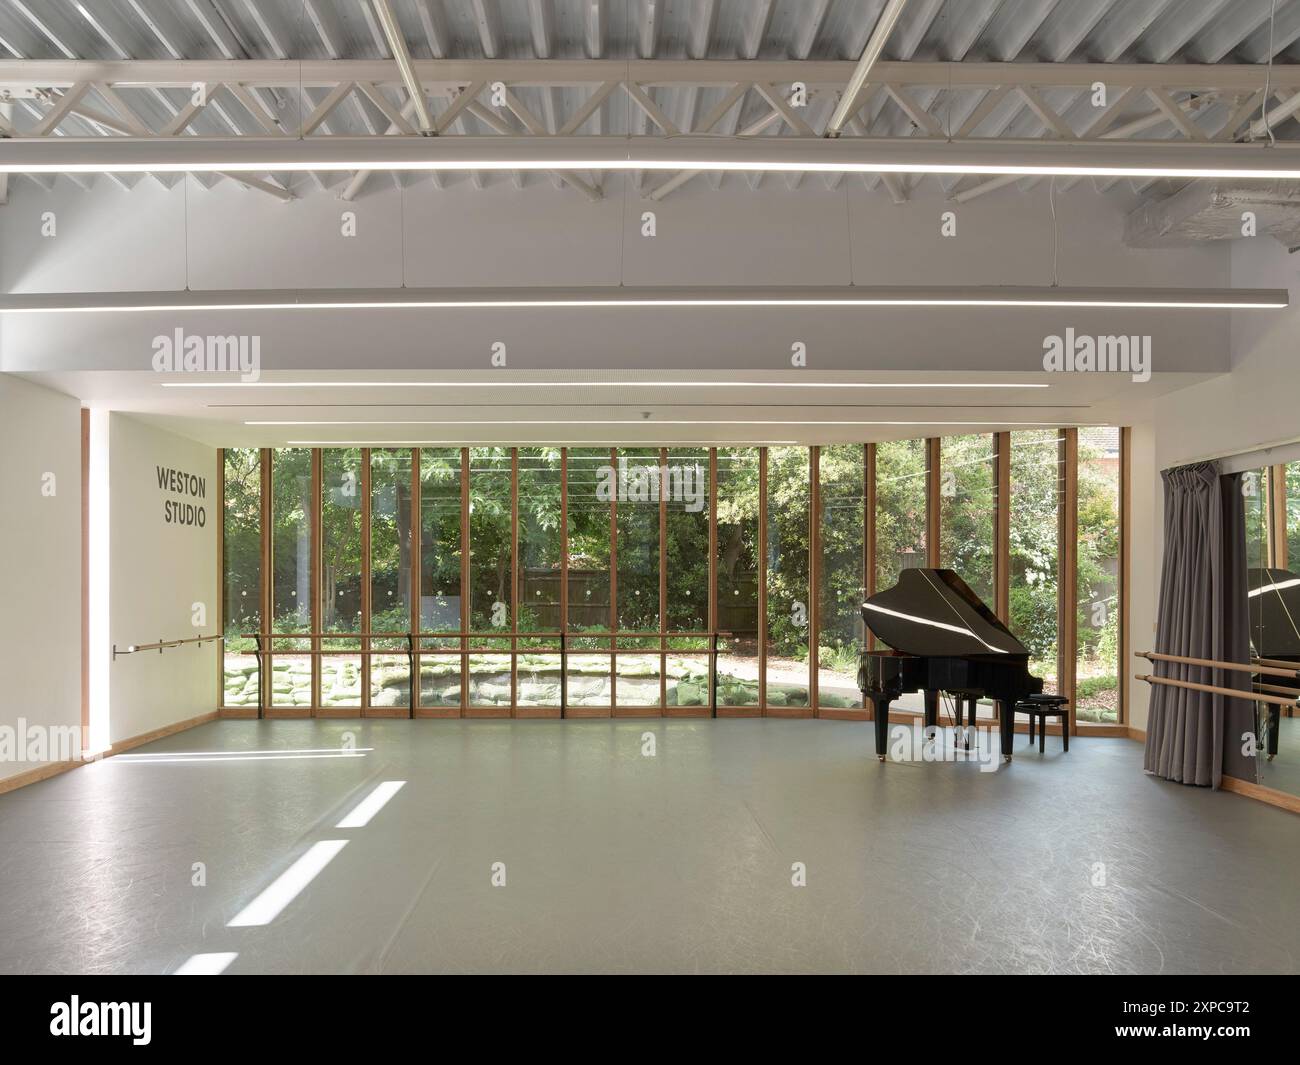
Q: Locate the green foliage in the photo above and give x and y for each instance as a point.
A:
(967, 541)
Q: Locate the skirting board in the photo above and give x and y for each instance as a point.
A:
(44, 772)
(1258, 792)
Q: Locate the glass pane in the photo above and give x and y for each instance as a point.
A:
(587, 676)
(590, 491)
(901, 471)
(1292, 516)
(390, 574)
(241, 555)
(541, 546)
(688, 680)
(687, 541)
(340, 574)
(637, 680)
(842, 493)
(737, 566)
(637, 480)
(291, 560)
(789, 497)
(967, 503)
(440, 599)
(1097, 663)
(489, 680)
(541, 540)
(490, 547)
(539, 677)
(1255, 491)
(1037, 483)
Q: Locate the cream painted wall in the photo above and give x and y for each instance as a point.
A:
(158, 572)
(40, 559)
(1256, 405)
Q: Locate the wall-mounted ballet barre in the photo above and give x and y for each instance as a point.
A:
(1259, 692)
(1268, 667)
(163, 645)
(1235, 693)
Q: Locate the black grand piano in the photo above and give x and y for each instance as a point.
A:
(1275, 634)
(941, 638)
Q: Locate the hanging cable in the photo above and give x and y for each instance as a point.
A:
(1268, 78)
(1051, 203)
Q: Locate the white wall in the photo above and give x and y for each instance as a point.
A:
(40, 559)
(231, 238)
(1256, 405)
(157, 572)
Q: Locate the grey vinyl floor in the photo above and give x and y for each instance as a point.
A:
(1283, 772)
(615, 861)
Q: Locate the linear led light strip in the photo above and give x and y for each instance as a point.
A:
(614, 297)
(594, 384)
(655, 421)
(910, 155)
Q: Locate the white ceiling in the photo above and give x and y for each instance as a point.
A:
(569, 407)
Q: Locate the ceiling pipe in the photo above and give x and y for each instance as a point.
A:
(875, 45)
(402, 54)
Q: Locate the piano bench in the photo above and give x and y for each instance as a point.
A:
(1039, 708)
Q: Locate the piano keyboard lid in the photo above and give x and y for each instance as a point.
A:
(1274, 599)
(934, 612)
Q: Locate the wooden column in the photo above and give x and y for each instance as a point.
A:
(564, 576)
(315, 518)
(1002, 526)
(762, 581)
(713, 578)
(613, 585)
(814, 573)
(85, 558)
(514, 581)
(932, 513)
(465, 590)
(663, 580)
(1068, 580)
(1277, 516)
(366, 504)
(267, 590)
(1125, 553)
(869, 527)
(417, 546)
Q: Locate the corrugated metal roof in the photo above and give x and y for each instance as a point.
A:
(1157, 31)
(1023, 31)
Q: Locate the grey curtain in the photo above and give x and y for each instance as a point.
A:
(1202, 613)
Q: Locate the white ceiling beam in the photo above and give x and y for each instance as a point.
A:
(848, 104)
(402, 54)
(439, 74)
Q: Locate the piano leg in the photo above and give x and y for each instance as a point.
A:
(970, 719)
(1007, 726)
(931, 717)
(1274, 726)
(880, 712)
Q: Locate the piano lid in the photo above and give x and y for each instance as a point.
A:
(934, 612)
(1274, 612)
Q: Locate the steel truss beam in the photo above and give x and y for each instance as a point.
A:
(1158, 104)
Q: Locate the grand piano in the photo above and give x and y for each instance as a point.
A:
(1275, 633)
(941, 638)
